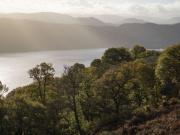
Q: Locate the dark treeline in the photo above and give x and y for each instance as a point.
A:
(88, 100)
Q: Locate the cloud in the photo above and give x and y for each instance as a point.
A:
(92, 7)
(85, 3)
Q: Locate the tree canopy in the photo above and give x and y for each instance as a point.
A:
(137, 50)
(169, 65)
(115, 56)
(168, 68)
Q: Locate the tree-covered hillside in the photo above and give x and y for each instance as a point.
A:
(120, 86)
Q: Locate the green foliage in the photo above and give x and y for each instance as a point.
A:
(3, 89)
(96, 63)
(97, 66)
(93, 99)
(25, 116)
(168, 68)
(149, 57)
(3, 113)
(137, 50)
(110, 90)
(42, 74)
(149, 53)
(71, 80)
(155, 94)
(86, 95)
(139, 111)
(115, 56)
(110, 133)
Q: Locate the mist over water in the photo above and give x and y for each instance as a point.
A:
(14, 66)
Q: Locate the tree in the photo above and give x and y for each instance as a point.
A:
(96, 63)
(149, 53)
(3, 89)
(71, 80)
(149, 57)
(43, 74)
(25, 116)
(168, 68)
(47, 72)
(86, 96)
(136, 50)
(110, 91)
(156, 93)
(137, 93)
(98, 67)
(35, 73)
(3, 112)
(143, 84)
(115, 56)
(3, 109)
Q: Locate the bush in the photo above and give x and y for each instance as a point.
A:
(110, 133)
(139, 111)
(173, 101)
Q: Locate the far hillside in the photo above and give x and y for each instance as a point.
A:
(132, 20)
(26, 35)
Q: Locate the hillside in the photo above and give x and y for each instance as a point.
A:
(26, 35)
(164, 121)
(122, 93)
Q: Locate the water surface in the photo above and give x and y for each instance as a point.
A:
(14, 66)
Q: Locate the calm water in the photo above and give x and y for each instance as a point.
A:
(14, 66)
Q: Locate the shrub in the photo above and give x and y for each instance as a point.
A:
(110, 133)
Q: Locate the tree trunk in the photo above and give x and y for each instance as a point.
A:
(40, 90)
(76, 116)
(54, 127)
(2, 128)
(117, 106)
(44, 91)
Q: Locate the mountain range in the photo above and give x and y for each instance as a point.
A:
(132, 20)
(27, 35)
(55, 18)
(94, 20)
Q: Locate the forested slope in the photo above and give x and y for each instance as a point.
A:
(125, 92)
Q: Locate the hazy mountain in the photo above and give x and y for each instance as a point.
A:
(113, 19)
(109, 18)
(90, 21)
(43, 16)
(173, 20)
(26, 35)
(94, 20)
(132, 20)
(55, 18)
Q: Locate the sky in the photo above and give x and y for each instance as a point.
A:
(151, 8)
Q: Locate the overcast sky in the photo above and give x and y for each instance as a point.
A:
(155, 8)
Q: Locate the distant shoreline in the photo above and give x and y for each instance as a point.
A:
(159, 49)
